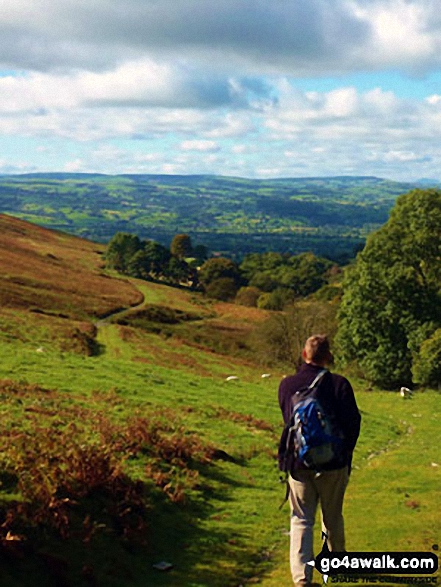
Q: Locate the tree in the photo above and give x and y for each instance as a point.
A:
(149, 262)
(224, 289)
(391, 302)
(139, 265)
(217, 268)
(303, 274)
(308, 273)
(181, 246)
(426, 367)
(277, 300)
(281, 338)
(121, 249)
(200, 254)
(248, 296)
(178, 271)
(158, 257)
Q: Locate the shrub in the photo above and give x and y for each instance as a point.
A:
(223, 289)
(276, 300)
(248, 296)
(280, 339)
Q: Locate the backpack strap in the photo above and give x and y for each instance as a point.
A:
(285, 480)
(311, 386)
(317, 379)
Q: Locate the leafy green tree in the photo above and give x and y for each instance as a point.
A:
(218, 268)
(181, 246)
(308, 273)
(303, 274)
(391, 300)
(139, 265)
(178, 271)
(121, 249)
(426, 366)
(256, 263)
(200, 254)
(264, 280)
(149, 262)
(248, 296)
(276, 300)
(158, 257)
(224, 289)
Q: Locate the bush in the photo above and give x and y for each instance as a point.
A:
(248, 296)
(223, 289)
(280, 339)
(276, 300)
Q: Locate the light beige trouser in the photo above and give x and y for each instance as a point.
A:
(307, 489)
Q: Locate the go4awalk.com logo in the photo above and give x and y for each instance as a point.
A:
(377, 567)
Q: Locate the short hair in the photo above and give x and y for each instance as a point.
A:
(317, 348)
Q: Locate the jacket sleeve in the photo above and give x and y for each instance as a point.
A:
(349, 415)
(285, 399)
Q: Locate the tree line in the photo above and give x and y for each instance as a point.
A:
(271, 281)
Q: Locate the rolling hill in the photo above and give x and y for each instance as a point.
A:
(233, 216)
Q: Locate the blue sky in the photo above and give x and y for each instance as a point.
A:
(252, 88)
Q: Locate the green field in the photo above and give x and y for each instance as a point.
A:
(234, 216)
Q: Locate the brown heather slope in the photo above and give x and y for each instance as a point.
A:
(55, 273)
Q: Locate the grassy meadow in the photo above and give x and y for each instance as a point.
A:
(123, 445)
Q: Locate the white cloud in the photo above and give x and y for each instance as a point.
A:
(216, 81)
(305, 37)
(77, 165)
(140, 83)
(434, 100)
(202, 146)
(400, 34)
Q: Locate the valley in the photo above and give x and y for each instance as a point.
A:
(228, 215)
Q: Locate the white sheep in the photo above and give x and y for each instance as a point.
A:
(266, 375)
(406, 393)
(232, 378)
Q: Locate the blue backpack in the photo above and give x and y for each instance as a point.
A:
(311, 436)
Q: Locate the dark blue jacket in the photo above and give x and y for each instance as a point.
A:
(336, 395)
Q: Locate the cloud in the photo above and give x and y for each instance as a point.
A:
(253, 37)
(201, 146)
(51, 34)
(141, 83)
(325, 129)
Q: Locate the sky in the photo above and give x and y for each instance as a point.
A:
(249, 88)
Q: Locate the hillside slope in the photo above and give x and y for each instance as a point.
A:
(52, 272)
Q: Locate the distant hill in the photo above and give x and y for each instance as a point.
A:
(230, 215)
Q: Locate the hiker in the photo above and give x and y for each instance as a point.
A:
(326, 483)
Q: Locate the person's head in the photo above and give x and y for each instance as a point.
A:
(317, 351)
